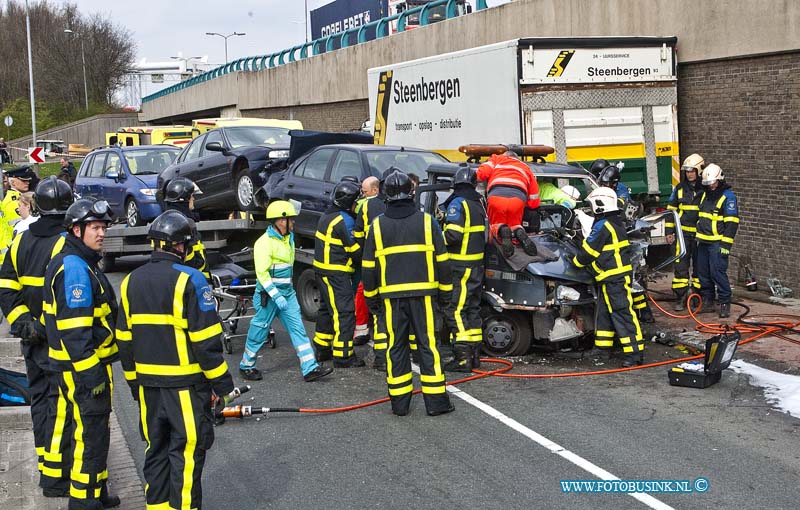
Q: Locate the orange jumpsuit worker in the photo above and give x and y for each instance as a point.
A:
(511, 187)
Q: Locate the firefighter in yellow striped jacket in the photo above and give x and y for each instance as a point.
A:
(406, 271)
(21, 283)
(685, 200)
(717, 223)
(169, 337)
(606, 253)
(465, 235)
(336, 253)
(79, 314)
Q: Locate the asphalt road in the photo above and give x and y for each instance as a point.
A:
(630, 425)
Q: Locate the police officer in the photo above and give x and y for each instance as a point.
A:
(21, 280)
(169, 339)
(685, 199)
(717, 223)
(465, 238)
(79, 313)
(336, 253)
(405, 272)
(20, 180)
(606, 252)
(609, 178)
(179, 196)
(273, 254)
(597, 166)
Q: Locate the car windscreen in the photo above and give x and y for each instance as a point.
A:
(150, 161)
(245, 136)
(415, 162)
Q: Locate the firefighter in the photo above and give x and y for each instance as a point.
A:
(609, 178)
(20, 180)
(370, 205)
(511, 186)
(685, 199)
(179, 196)
(465, 238)
(273, 255)
(79, 314)
(717, 223)
(605, 251)
(406, 272)
(336, 254)
(169, 338)
(21, 280)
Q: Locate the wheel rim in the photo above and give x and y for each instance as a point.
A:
(133, 213)
(311, 296)
(245, 190)
(499, 335)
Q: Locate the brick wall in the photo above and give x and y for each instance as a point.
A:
(342, 116)
(744, 115)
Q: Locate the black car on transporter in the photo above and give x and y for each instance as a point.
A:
(228, 165)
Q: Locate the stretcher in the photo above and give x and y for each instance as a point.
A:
(233, 287)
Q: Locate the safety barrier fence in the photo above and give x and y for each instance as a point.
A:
(374, 30)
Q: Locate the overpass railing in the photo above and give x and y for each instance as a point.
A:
(380, 28)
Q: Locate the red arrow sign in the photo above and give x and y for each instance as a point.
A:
(35, 155)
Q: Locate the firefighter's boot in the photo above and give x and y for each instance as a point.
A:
(680, 304)
(504, 235)
(724, 310)
(633, 360)
(351, 362)
(527, 245)
(463, 359)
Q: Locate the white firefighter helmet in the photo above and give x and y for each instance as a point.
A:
(572, 191)
(693, 162)
(603, 200)
(711, 174)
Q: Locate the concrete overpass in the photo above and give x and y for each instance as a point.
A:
(738, 92)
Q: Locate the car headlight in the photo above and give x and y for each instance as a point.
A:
(564, 293)
(150, 192)
(277, 154)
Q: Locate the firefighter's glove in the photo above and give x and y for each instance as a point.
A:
(280, 302)
(134, 391)
(99, 389)
(375, 306)
(724, 252)
(30, 333)
(220, 403)
(444, 299)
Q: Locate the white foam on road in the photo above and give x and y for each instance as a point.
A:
(782, 391)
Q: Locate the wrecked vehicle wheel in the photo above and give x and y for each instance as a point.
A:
(508, 334)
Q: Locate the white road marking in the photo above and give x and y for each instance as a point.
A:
(576, 459)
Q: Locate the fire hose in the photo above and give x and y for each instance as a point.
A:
(758, 326)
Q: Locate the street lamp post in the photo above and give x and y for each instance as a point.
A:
(30, 76)
(83, 61)
(186, 61)
(226, 40)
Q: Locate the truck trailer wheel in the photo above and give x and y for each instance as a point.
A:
(308, 294)
(506, 334)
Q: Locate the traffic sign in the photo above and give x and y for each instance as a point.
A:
(35, 155)
(8, 121)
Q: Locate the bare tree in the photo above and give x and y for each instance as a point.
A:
(57, 66)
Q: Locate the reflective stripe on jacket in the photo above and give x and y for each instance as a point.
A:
(606, 251)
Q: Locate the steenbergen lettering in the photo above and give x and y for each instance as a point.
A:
(439, 90)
